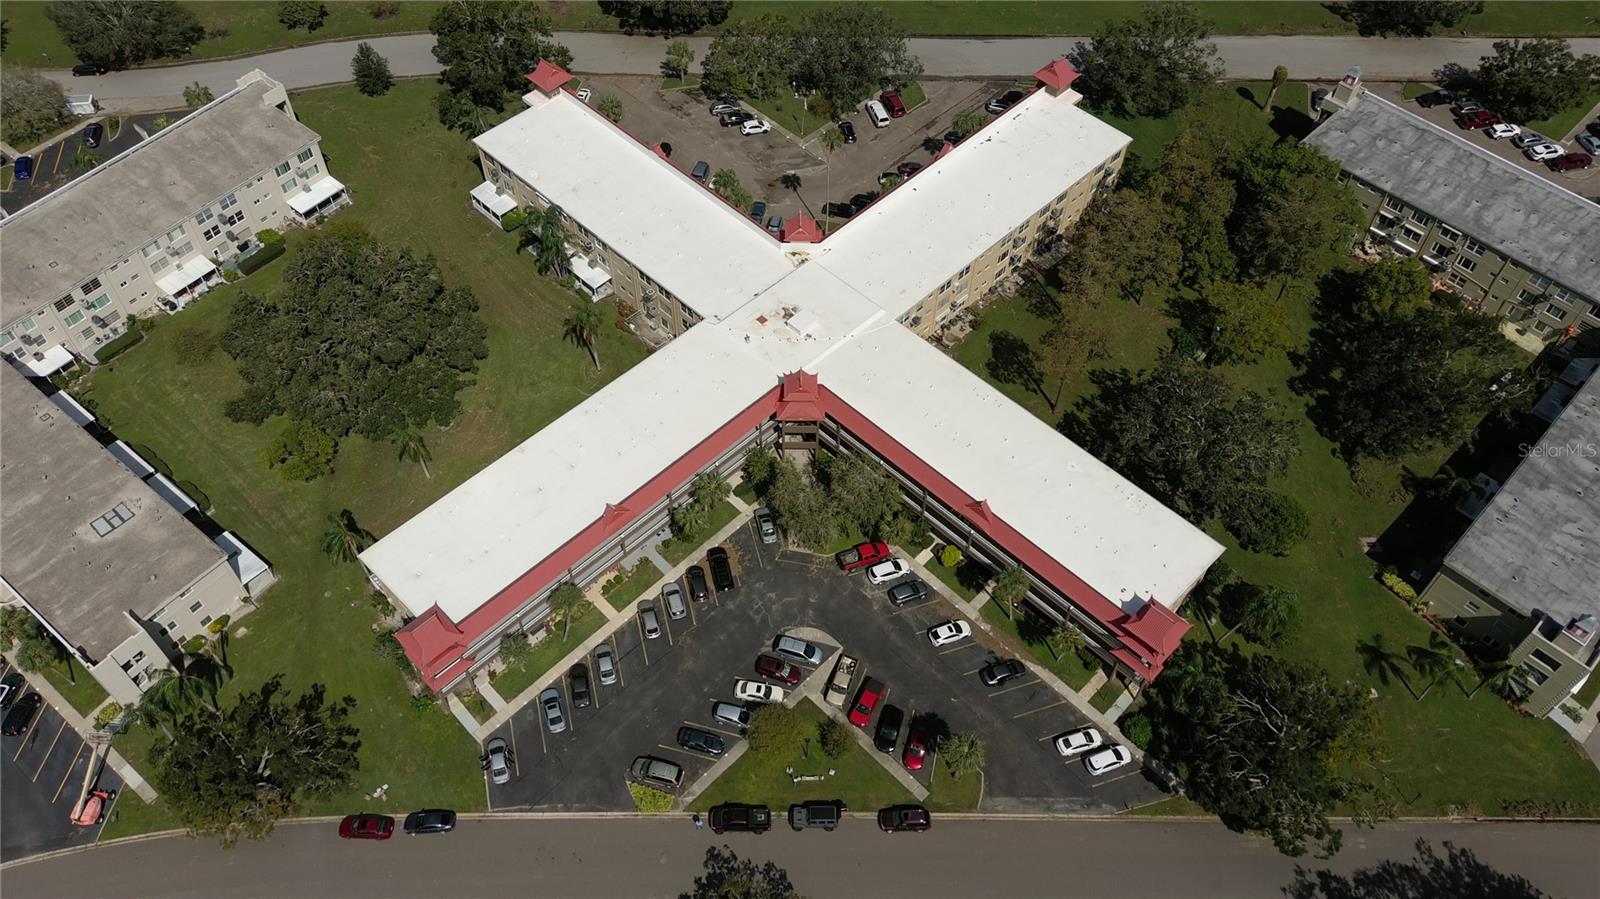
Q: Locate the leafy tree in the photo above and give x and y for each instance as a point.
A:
(679, 57)
(666, 16)
(847, 51)
(1268, 744)
(383, 10)
(344, 539)
(1293, 217)
(387, 649)
(487, 48)
(610, 107)
(1010, 586)
(1063, 639)
(776, 727)
(832, 139)
(1182, 433)
(1394, 286)
(234, 773)
(727, 876)
(301, 452)
(863, 494)
(1205, 600)
(1120, 248)
(1149, 66)
(1238, 322)
(1378, 660)
(950, 556)
(371, 71)
(1530, 80)
(363, 336)
(963, 752)
(307, 14)
(582, 327)
(122, 33)
(1262, 614)
(35, 648)
(31, 106)
(190, 685)
(726, 183)
(802, 508)
(1404, 18)
(694, 517)
(834, 739)
(761, 469)
(967, 121)
(1265, 521)
(1193, 183)
(752, 57)
(1280, 76)
(1502, 680)
(1434, 660)
(413, 448)
(197, 95)
(1391, 385)
(566, 603)
(545, 230)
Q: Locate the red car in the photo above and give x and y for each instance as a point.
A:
(366, 827)
(892, 102)
(774, 668)
(1478, 118)
(863, 555)
(1569, 162)
(916, 753)
(867, 699)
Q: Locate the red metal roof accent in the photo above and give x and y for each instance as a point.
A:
(1058, 75)
(548, 77)
(800, 228)
(659, 151)
(943, 151)
(1157, 627)
(980, 512)
(614, 517)
(432, 642)
(799, 398)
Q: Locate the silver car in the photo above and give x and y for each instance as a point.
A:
(554, 719)
(605, 664)
(672, 598)
(766, 526)
(732, 715)
(497, 760)
(649, 621)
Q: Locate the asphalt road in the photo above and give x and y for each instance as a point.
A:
(616, 858)
(1308, 58)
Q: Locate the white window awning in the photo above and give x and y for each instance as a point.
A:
(592, 276)
(493, 200)
(47, 363)
(303, 201)
(131, 460)
(185, 275)
(169, 491)
(75, 411)
(246, 565)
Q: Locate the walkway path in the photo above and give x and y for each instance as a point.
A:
(114, 760)
(1308, 58)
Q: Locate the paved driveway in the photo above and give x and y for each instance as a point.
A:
(40, 777)
(673, 680)
(53, 166)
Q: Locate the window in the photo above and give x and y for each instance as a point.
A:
(311, 171)
(73, 319)
(203, 217)
(1448, 233)
(160, 264)
(86, 334)
(281, 170)
(27, 324)
(1566, 295)
(172, 626)
(1467, 265)
(112, 520)
(6, 337)
(99, 302)
(1386, 221)
(1421, 218)
(303, 155)
(138, 657)
(1554, 311)
(63, 304)
(176, 233)
(1411, 233)
(1541, 327)
(195, 606)
(1472, 606)
(91, 286)
(1394, 204)
(1475, 248)
(1527, 296)
(150, 249)
(966, 271)
(1442, 250)
(289, 185)
(211, 232)
(186, 249)
(205, 621)
(228, 202)
(1537, 281)
(233, 218)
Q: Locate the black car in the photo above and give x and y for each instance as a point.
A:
(21, 714)
(581, 694)
(430, 820)
(698, 740)
(695, 577)
(10, 688)
(666, 149)
(1593, 128)
(848, 131)
(838, 210)
(862, 201)
(758, 210)
(729, 119)
(88, 68)
(1436, 98)
(999, 671)
(1005, 101)
(907, 592)
(721, 568)
(92, 133)
(740, 817)
(907, 169)
(888, 733)
(954, 137)
(904, 819)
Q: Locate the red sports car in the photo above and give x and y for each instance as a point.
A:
(366, 827)
(866, 701)
(916, 752)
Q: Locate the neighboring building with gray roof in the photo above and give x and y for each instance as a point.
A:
(1525, 577)
(1504, 238)
(147, 229)
(104, 563)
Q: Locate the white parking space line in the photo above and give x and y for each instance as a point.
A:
(511, 727)
(48, 752)
(973, 671)
(1052, 705)
(945, 652)
(1030, 683)
(642, 648)
(28, 734)
(680, 750)
(1097, 784)
(68, 773)
(718, 730)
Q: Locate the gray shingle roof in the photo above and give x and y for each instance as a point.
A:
(112, 211)
(1542, 226)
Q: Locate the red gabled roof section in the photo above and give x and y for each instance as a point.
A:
(548, 77)
(1058, 75)
(979, 512)
(432, 642)
(944, 150)
(1157, 627)
(800, 228)
(614, 518)
(659, 151)
(799, 398)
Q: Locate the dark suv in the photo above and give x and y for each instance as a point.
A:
(721, 568)
(816, 813)
(740, 818)
(888, 733)
(696, 578)
(581, 693)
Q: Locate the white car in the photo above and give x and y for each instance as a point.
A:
(755, 126)
(1108, 759)
(949, 632)
(1504, 129)
(1541, 152)
(751, 691)
(1077, 742)
(497, 760)
(1528, 139)
(891, 570)
(584, 94)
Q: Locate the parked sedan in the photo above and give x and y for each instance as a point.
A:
(1541, 152)
(1004, 102)
(1570, 161)
(21, 714)
(766, 526)
(1077, 742)
(891, 570)
(554, 719)
(496, 760)
(755, 126)
(366, 827)
(916, 753)
(907, 592)
(802, 651)
(92, 134)
(838, 210)
(1107, 759)
(887, 733)
(723, 107)
(756, 691)
(949, 632)
(1589, 142)
(1481, 118)
(1502, 130)
(582, 695)
(777, 669)
(430, 820)
(740, 817)
(847, 131)
(907, 169)
(88, 68)
(605, 664)
(904, 819)
(999, 671)
(693, 738)
(867, 699)
(1528, 139)
(11, 686)
(731, 715)
(699, 591)
(729, 119)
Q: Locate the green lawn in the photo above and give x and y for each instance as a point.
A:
(546, 653)
(1567, 119)
(644, 574)
(1590, 690)
(132, 816)
(479, 707)
(1106, 696)
(1070, 668)
(858, 780)
(788, 111)
(747, 493)
(79, 688)
(410, 178)
(1235, 106)
(675, 549)
(965, 579)
(912, 95)
(953, 794)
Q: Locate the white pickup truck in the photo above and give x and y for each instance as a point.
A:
(839, 684)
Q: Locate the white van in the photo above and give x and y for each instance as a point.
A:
(876, 112)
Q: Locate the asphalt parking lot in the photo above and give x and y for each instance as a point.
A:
(673, 680)
(53, 166)
(40, 777)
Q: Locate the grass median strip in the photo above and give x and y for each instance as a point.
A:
(546, 653)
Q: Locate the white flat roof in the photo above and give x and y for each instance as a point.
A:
(642, 206)
(246, 565)
(49, 362)
(185, 274)
(592, 276)
(493, 200)
(305, 200)
(469, 545)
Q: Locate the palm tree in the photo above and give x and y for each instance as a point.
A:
(551, 258)
(1381, 662)
(582, 327)
(1501, 679)
(1064, 638)
(414, 449)
(191, 683)
(344, 540)
(1279, 76)
(1436, 661)
(566, 603)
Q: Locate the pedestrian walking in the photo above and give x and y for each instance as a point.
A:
(698, 824)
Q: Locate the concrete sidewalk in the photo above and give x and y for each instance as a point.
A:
(114, 760)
